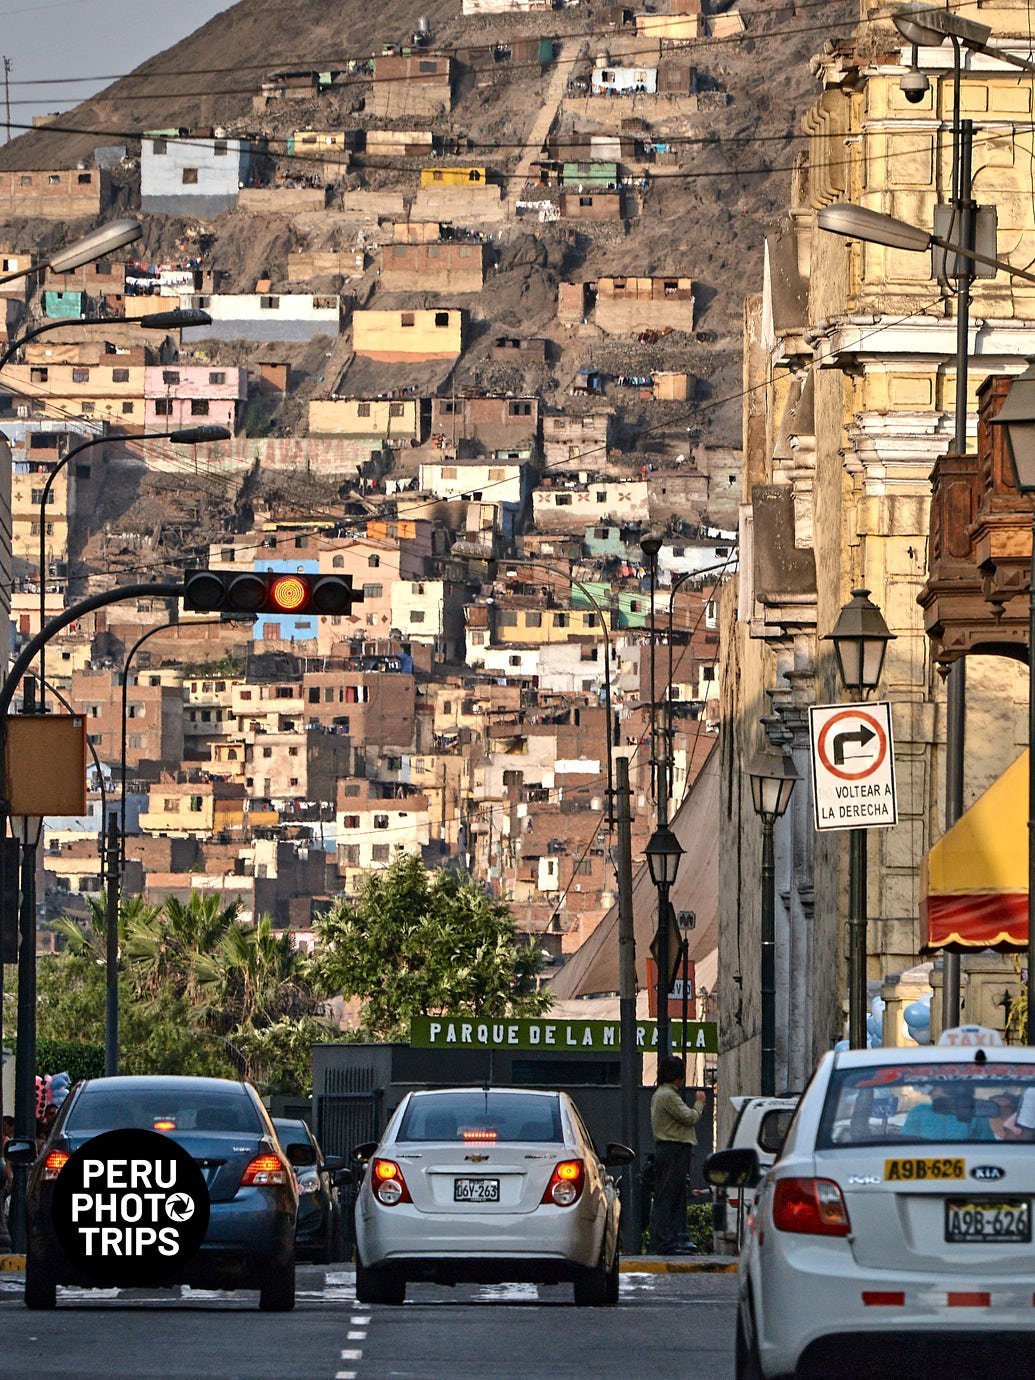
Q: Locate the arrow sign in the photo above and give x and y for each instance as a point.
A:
(853, 766)
(862, 736)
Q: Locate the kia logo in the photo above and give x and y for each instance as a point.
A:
(988, 1171)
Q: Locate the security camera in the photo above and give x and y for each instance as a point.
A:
(914, 86)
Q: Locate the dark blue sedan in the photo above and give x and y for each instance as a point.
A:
(250, 1241)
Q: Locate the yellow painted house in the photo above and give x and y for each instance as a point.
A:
(398, 336)
(389, 419)
(538, 626)
(453, 177)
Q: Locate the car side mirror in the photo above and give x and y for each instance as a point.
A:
(301, 1156)
(342, 1178)
(362, 1153)
(20, 1151)
(618, 1154)
(737, 1168)
(332, 1163)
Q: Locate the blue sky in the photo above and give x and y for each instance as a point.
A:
(85, 38)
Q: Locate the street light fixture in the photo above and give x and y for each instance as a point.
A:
(860, 637)
(104, 240)
(1017, 418)
(772, 783)
(663, 853)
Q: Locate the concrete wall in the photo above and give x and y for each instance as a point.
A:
(437, 267)
(300, 455)
(265, 316)
(419, 85)
(305, 264)
(69, 194)
(463, 205)
(262, 201)
(395, 336)
(644, 304)
(591, 205)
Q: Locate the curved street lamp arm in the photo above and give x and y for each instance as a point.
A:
(97, 766)
(124, 682)
(16, 345)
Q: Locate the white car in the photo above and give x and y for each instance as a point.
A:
(761, 1123)
(894, 1233)
(487, 1185)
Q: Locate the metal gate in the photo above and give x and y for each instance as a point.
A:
(348, 1111)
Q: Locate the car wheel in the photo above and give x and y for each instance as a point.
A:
(40, 1287)
(379, 1286)
(748, 1365)
(591, 1287)
(612, 1281)
(277, 1294)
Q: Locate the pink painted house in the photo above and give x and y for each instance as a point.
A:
(181, 395)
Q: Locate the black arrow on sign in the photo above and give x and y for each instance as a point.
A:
(862, 736)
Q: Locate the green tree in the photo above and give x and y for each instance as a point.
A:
(419, 943)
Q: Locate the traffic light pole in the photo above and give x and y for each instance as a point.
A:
(25, 1063)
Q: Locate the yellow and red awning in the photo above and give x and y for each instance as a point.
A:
(974, 881)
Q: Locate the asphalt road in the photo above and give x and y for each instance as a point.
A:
(665, 1326)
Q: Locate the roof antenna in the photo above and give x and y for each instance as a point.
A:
(980, 1057)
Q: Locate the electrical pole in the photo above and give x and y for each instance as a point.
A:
(7, 94)
(631, 1060)
(111, 951)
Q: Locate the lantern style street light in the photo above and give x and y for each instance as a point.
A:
(96, 245)
(1017, 418)
(663, 853)
(860, 637)
(772, 783)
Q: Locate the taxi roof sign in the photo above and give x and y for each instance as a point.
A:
(971, 1036)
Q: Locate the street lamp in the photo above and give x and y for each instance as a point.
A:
(860, 637)
(772, 784)
(663, 853)
(650, 545)
(186, 436)
(104, 240)
(179, 319)
(1017, 417)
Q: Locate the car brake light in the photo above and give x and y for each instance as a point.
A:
(164, 1123)
(54, 1163)
(479, 1136)
(264, 1171)
(566, 1183)
(389, 1184)
(812, 1207)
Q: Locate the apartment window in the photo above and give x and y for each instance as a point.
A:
(25, 180)
(199, 407)
(38, 375)
(533, 618)
(373, 591)
(163, 407)
(337, 562)
(396, 410)
(417, 616)
(513, 661)
(217, 376)
(562, 500)
(407, 319)
(363, 410)
(170, 375)
(448, 472)
(561, 620)
(267, 752)
(588, 652)
(219, 148)
(54, 179)
(349, 853)
(269, 303)
(80, 375)
(350, 821)
(379, 852)
(314, 694)
(292, 752)
(585, 201)
(380, 821)
(190, 177)
(373, 562)
(519, 409)
(707, 672)
(442, 318)
(37, 496)
(429, 68)
(120, 376)
(88, 409)
(497, 476)
(159, 146)
(195, 804)
(127, 409)
(513, 778)
(601, 495)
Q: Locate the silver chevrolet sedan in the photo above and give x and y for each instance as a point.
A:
(490, 1186)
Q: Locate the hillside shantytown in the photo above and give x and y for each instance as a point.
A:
(637, 385)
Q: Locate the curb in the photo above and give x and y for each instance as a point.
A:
(11, 1263)
(631, 1265)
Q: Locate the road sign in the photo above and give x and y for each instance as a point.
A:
(548, 1035)
(853, 766)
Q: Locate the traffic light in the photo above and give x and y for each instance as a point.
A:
(231, 592)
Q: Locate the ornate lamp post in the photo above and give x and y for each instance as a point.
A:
(860, 637)
(663, 853)
(772, 783)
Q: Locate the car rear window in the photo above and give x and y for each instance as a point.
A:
(912, 1104)
(108, 1109)
(482, 1117)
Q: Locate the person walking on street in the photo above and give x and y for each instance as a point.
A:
(672, 1123)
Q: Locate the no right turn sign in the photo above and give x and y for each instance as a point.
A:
(853, 766)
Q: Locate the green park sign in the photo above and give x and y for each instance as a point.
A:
(550, 1035)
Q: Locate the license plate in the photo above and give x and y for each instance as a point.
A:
(923, 1170)
(1007, 1219)
(476, 1190)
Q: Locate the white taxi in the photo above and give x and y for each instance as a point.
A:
(895, 1229)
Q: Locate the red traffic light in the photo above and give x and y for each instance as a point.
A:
(247, 592)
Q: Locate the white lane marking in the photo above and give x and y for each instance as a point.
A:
(352, 1354)
(509, 1293)
(344, 1375)
(359, 1335)
(360, 1322)
(340, 1277)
